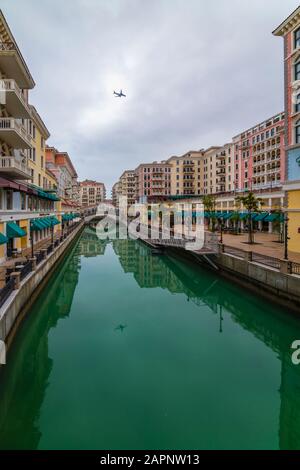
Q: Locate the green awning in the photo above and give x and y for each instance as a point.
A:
(43, 223)
(3, 239)
(243, 215)
(227, 215)
(234, 215)
(260, 217)
(14, 231)
(54, 221)
(47, 222)
(36, 226)
(274, 217)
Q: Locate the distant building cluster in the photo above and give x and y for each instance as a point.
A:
(254, 160)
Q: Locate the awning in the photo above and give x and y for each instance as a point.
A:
(234, 215)
(14, 231)
(260, 217)
(243, 215)
(274, 217)
(54, 221)
(227, 215)
(42, 223)
(3, 239)
(36, 226)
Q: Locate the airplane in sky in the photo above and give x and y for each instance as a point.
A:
(119, 95)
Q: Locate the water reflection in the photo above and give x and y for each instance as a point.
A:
(19, 415)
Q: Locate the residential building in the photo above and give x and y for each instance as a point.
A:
(128, 186)
(61, 166)
(153, 179)
(187, 173)
(259, 156)
(36, 156)
(92, 193)
(290, 31)
(21, 200)
(116, 192)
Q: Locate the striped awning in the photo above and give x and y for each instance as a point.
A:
(14, 231)
(3, 239)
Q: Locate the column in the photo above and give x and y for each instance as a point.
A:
(270, 223)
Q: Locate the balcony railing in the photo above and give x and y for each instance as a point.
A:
(11, 85)
(18, 169)
(11, 124)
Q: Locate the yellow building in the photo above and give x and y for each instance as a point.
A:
(25, 184)
(289, 30)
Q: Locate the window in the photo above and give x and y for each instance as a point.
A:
(23, 202)
(9, 200)
(297, 105)
(297, 132)
(297, 70)
(42, 162)
(297, 38)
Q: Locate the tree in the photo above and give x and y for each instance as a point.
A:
(252, 204)
(209, 203)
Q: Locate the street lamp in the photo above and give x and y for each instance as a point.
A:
(31, 239)
(286, 236)
(221, 239)
(52, 231)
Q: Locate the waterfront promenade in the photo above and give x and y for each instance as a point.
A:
(265, 244)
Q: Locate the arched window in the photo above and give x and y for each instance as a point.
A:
(297, 132)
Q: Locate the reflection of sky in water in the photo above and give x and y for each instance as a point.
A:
(127, 350)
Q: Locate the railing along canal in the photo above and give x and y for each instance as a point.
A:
(269, 261)
(27, 269)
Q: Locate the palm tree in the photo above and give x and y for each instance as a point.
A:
(209, 203)
(252, 204)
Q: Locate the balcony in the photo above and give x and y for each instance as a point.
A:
(15, 102)
(14, 134)
(10, 167)
(13, 65)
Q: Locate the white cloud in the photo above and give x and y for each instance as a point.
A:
(196, 73)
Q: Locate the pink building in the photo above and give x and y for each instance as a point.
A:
(259, 155)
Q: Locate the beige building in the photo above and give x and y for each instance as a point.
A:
(116, 193)
(91, 193)
(187, 173)
(153, 180)
(128, 186)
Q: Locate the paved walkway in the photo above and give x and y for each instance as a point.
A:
(267, 244)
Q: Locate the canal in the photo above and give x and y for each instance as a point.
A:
(125, 350)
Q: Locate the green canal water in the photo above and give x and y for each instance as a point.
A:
(125, 350)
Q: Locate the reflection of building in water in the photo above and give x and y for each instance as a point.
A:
(149, 271)
(90, 245)
(19, 415)
(276, 332)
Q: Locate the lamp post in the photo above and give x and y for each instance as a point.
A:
(52, 232)
(286, 236)
(221, 239)
(31, 240)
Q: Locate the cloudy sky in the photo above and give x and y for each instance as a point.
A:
(196, 73)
